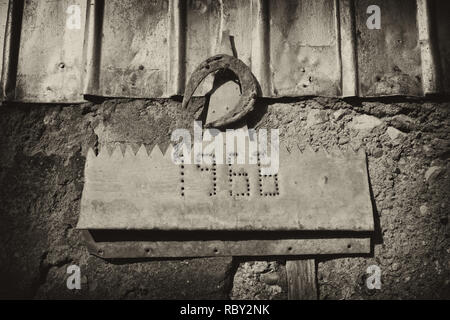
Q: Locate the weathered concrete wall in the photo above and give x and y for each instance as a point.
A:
(41, 179)
(408, 150)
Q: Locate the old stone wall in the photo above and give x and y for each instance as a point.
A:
(42, 157)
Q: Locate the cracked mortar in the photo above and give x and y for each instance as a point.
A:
(41, 178)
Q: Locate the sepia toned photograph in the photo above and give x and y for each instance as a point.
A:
(225, 154)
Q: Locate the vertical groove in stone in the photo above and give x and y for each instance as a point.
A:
(177, 47)
(11, 49)
(347, 47)
(93, 46)
(430, 75)
(261, 45)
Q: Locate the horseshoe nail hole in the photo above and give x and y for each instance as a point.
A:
(216, 250)
(349, 246)
(289, 248)
(147, 250)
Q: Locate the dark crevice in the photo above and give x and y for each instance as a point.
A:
(149, 235)
(44, 269)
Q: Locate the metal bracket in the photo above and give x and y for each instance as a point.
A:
(165, 248)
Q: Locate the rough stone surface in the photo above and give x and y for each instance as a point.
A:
(364, 122)
(411, 214)
(432, 173)
(394, 134)
(316, 117)
(260, 280)
(41, 179)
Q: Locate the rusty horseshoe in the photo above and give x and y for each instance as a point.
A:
(248, 83)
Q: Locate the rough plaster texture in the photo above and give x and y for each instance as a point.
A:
(42, 158)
